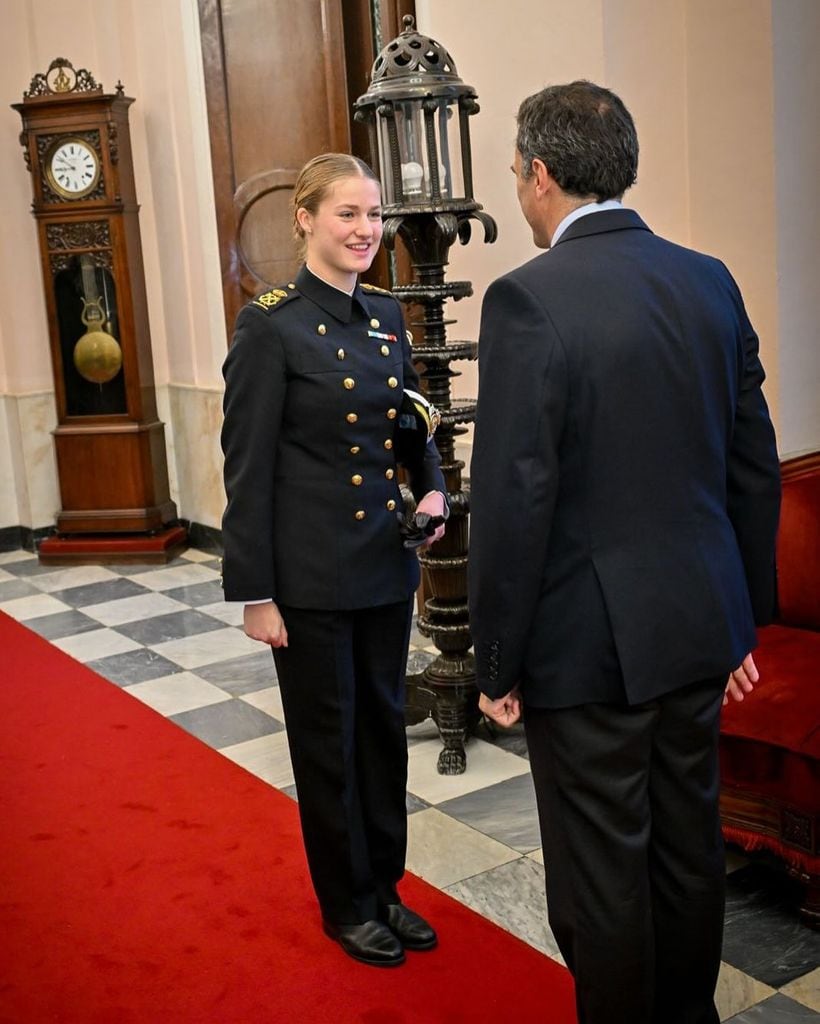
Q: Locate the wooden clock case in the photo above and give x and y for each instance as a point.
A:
(110, 444)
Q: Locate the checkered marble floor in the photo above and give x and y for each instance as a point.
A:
(166, 637)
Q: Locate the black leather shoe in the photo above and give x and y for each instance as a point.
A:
(411, 929)
(372, 942)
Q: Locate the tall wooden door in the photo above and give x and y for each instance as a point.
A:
(280, 78)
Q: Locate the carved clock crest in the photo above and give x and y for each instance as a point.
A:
(109, 441)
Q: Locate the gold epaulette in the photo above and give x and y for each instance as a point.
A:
(373, 288)
(274, 298)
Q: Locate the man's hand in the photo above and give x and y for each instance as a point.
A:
(505, 711)
(433, 504)
(264, 622)
(742, 680)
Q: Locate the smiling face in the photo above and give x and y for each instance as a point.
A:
(344, 233)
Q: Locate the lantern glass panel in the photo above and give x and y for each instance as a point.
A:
(448, 142)
(389, 196)
(415, 169)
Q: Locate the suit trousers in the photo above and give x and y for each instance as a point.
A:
(635, 870)
(342, 681)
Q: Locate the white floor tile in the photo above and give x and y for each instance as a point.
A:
(537, 855)
(177, 576)
(267, 757)
(15, 556)
(195, 555)
(230, 613)
(737, 991)
(443, 851)
(268, 700)
(133, 609)
(97, 643)
(171, 695)
(805, 990)
(5, 576)
(76, 576)
(207, 648)
(33, 607)
(486, 765)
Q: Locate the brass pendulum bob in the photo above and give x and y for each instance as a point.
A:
(98, 357)
(97, 354)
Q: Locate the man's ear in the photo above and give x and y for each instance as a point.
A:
(543, 180)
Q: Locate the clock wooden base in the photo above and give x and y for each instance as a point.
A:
(113, 478)
(108, 549)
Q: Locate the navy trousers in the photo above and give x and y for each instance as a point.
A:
(342, 680)
(635, 869)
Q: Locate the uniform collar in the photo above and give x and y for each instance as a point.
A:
(332, 300)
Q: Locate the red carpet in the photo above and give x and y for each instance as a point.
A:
(145, 878)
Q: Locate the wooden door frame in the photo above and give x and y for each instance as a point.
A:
(343, 28)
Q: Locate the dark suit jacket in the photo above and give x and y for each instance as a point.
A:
(314, 381)
(625, 480)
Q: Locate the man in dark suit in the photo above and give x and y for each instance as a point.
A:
(623, 436)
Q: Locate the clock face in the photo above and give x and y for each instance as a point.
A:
(73, 168)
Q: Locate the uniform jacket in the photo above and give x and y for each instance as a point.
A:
(314, 379)
(625, 480)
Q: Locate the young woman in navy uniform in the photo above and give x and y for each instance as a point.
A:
(314, 384)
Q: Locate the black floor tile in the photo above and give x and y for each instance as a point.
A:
(10, 589)
(197, 594)
(415, 803)
(98, 593)
(505, 811)
(226, 723)
(247, 674)
(778, 1009)
(134, 667)
(763, 935)
(28, 567)
(60, 624)
(171, 626)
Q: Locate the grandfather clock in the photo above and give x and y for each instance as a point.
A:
(110, 444)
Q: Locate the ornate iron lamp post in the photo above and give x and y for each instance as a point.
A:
(417, 111)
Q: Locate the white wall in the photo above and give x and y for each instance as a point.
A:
(796, 33)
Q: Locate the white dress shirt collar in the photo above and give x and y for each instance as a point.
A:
(583, 211)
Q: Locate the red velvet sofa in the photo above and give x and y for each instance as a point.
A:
(770, 742)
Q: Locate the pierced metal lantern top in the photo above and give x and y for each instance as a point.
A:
(411, 62)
